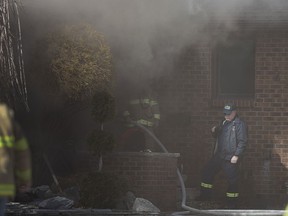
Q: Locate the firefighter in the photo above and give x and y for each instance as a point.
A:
(143, 108)
(15, 166)
(231, 141)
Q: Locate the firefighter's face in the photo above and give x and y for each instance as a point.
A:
(231, 116)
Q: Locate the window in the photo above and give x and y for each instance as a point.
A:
(234, 70)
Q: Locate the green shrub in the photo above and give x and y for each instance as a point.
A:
(74, 62)
(100, 142)
(103, 106)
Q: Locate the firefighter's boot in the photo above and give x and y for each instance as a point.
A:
(206, 192)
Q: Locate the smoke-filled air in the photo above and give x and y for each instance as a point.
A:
(144, 35)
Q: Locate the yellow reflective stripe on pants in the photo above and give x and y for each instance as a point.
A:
(7, 189)
(232, 195)
(204, 185)
(24, 175)
(21, 144)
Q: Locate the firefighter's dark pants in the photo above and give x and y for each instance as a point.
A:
(232, 172)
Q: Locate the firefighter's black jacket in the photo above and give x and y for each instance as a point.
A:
(231, 138)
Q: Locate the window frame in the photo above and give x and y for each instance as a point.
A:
(215, 72)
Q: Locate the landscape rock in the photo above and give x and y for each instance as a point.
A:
(56, 203)
(143, 205)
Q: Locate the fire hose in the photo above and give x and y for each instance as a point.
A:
(222, 212)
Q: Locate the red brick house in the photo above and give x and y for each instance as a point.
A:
(246, 65)
(242, 60)
(250, 68)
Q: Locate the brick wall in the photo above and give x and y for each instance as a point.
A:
(149, 175)
(189, 111)
(268, 119)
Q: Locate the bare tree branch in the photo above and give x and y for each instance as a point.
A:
(12, 76)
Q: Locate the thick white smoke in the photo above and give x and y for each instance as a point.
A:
(145, 35)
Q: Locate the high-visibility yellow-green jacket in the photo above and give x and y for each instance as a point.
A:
(15, 165)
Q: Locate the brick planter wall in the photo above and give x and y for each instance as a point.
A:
(151, 176)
